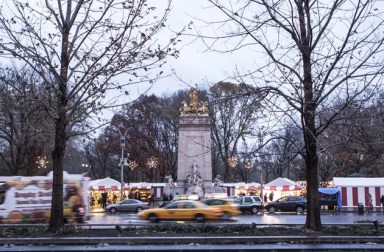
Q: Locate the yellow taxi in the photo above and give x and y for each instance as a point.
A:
(184, 210)
(229, 208)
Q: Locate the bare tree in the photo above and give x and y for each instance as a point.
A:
(79, 48)
(25, 135)
(356, 140)
(284, 148)
(309, 53)
(151, 132)
(232, 121)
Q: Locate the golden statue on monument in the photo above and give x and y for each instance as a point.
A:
(194, 96)
(195, 107)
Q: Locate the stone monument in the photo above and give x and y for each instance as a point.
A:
(194, 165)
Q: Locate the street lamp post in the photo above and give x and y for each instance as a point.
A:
(123, 161)
(261, 184)
(122, 138)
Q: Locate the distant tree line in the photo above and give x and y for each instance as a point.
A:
(352, 145)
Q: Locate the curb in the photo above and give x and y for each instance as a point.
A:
(193, 239)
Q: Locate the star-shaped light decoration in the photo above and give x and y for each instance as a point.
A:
(42, 162)
(152, 162)
(233, 161)
(133, 164)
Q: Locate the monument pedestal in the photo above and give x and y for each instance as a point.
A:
(194, 155)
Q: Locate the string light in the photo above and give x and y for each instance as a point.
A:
(233, 161)
(152, 162)
(42, 162)
(248, 164)
(133, 164)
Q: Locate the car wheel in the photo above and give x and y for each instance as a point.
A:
(139, 209)
(271, 209)
(225, 216)
(299, 209)
(199, 218)
(254, 210)
(153, 218)
(113, 210)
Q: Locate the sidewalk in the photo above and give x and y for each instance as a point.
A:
(281, 247)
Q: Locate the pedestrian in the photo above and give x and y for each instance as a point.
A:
(152, 199)
(265, 197)
(103, 199)
(370, 205)
(382, 201)
(171, 197)
(271, 196)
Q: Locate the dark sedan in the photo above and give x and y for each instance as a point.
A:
(129, 205)
(287, 204)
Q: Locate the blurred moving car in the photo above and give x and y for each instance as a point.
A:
(252, 204)
(129, 205)
(229, 208)
(233, 197)
(296, 204)
(164, 203)
(182, 210)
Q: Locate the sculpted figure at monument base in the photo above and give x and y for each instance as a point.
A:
(169, 186)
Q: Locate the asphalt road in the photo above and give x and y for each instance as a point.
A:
(331, 217)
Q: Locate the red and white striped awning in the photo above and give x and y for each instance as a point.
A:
(104, 184)
(100, 188)
(283, 188)
(282, 184)
(253, 186)
(140, 186)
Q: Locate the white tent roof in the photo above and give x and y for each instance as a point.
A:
(282, 184)
(107, 183)
(350, 181)
(141, 185)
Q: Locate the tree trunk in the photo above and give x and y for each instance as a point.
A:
(313, 221)
(56, 221)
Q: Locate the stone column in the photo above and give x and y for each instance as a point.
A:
(194, 147)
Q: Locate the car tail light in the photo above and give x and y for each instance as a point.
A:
(218, 210)
(81, 210)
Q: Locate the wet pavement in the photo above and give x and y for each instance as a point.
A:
(100, 219)
(98, 216)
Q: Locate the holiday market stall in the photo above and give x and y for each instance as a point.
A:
(330, 197)
(140, 191)
(107, 185)
(253, 188)
(281, 187)
(355, 191)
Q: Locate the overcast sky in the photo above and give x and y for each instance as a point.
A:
(195, 66)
